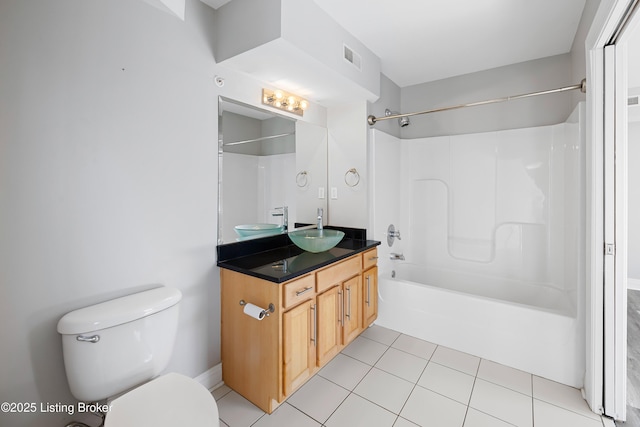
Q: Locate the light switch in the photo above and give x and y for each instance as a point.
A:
(320, 192)
(334, 192)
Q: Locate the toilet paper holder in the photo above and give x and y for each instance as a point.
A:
(267, 311)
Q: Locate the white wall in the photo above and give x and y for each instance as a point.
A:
(347, 140)
(578, 53)
(389, 99)
(240, 184)
(108, 177)
(311, 157)
(108, 152)
(530, 76)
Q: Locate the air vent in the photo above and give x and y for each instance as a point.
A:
(633, 100)
(352, 57)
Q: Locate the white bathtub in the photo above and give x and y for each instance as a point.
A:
(528, 327)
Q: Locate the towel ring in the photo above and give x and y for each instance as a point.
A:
(302, 179)
(355, 173)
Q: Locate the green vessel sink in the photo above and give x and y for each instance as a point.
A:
(315, 240)
(250, 230)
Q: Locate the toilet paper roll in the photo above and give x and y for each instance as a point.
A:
(254, 311)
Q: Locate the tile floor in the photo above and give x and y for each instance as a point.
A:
(385, 378)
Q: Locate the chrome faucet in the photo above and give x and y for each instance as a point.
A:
(396, 257)
(284, 215)
(320, 212)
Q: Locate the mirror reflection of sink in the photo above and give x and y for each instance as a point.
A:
(315, 240)
(252, 230)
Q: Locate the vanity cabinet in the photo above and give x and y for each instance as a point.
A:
(352, 302)
(370, 287)
(339, 302)
(315, 317)
(298, 345)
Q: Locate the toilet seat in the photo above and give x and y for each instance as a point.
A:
(167, 401)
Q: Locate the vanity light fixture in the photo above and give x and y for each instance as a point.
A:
(284, 101)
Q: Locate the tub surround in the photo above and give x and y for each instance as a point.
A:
(493, 237)
(266, 258)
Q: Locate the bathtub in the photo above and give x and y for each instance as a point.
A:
(526, 326)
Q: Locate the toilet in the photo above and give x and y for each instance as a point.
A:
(117, 349)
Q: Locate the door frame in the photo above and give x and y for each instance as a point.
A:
(606, 180)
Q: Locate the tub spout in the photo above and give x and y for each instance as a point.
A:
(395, 256)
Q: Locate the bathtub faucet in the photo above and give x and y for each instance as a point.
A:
(395, 256)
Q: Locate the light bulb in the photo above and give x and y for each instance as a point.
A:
(279, 94)
(303, 105)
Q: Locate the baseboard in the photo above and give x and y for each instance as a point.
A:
(633, 284)
(211, 378)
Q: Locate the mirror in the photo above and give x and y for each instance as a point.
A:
(267, 161)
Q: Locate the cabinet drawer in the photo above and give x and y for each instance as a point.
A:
(298, 290)
(338, 273)
(369, 258)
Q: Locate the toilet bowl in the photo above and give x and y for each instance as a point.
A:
(120, 348)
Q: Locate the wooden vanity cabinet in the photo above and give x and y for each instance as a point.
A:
(352, 324)
(298, 345)
(315, 317)
(370, 287)
(338, 307)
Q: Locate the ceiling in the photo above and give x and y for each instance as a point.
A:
(424, 40)
(419, 41)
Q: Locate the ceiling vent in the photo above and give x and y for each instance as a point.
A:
(632, 100)
(352, 57)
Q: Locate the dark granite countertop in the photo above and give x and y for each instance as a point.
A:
(278, 260)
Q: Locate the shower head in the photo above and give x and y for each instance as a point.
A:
(402, 121)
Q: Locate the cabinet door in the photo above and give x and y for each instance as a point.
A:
(329, 318)
(298, 347)
(370, 297)
(352, 303)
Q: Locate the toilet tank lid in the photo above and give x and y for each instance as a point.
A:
(118, 311)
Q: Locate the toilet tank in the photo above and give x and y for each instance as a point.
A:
(113, 346)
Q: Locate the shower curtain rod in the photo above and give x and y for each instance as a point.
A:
(264, 138)
(582, 86)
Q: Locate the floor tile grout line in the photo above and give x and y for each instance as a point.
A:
(566, 409)
(533, 405)
(415, 385)
(220, 397)
(374, 403)
(492, 416)
(505, 387)
(406, 352)
(490, 382)
(332, 412)
(350, 391)
(475, 378)
(466, 412)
